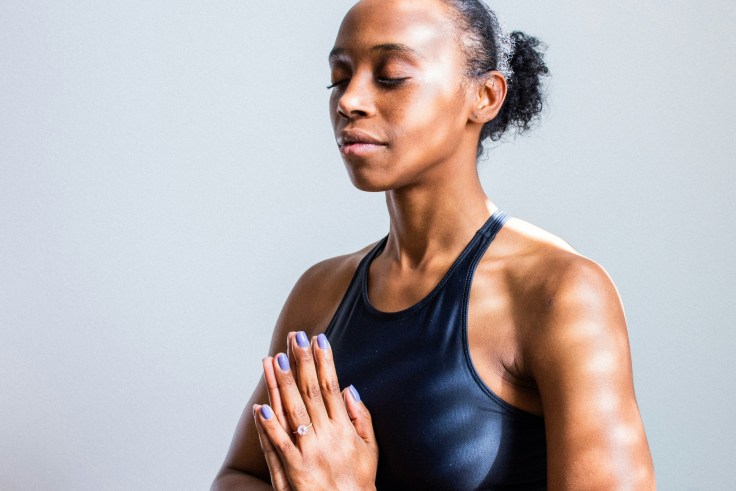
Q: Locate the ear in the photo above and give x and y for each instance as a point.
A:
(489, 97)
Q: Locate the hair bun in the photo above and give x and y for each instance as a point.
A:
(525, 95)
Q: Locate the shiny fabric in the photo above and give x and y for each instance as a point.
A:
(438, 425)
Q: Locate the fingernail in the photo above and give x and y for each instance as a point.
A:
(301, 339)
(322, 341)
(283, 362)
(353, 392)
(266, 412)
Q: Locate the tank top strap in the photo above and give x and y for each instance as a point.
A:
(420, 357)
(453, 286)
(484, 237)
(494, 224)
(465, 265)
(375, 251)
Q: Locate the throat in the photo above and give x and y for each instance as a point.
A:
(392, 287)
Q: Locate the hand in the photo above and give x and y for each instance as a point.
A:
(338, 450)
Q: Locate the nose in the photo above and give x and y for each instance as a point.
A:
(356, 101)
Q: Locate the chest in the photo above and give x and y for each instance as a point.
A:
(497, 317)
(437, 425)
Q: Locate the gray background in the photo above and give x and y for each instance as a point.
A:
(167, 171)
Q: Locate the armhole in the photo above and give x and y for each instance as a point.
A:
(505, 406)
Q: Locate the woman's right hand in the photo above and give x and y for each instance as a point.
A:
(339, 449)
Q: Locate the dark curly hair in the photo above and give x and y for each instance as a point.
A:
(519, 57)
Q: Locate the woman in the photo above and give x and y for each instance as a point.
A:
(482, 352)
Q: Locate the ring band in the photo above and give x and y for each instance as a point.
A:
(302, 429)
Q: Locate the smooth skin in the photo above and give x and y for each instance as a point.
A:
(546, 327)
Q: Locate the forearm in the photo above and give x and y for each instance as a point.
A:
(232, 480)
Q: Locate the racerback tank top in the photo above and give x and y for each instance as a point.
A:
(438, 426)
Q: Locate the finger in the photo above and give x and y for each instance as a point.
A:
(273, 392)
(288, 453)
(327, 376)
(279, 480)
(359, 415)
(306, 378)
(289, 344)
(291, 399)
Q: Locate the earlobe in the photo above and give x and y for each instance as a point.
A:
(490, 96)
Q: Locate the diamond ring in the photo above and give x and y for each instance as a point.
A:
(302, 429)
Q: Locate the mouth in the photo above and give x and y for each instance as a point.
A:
(358, 143)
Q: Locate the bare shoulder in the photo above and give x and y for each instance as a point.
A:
(576, 348)
(315, 297)
(549, 273)
(560, 295)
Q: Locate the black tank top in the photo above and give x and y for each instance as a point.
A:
(437, 424)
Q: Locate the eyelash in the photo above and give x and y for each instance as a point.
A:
(386, 82)
(392, 82)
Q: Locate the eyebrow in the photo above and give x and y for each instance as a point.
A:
(401, 50)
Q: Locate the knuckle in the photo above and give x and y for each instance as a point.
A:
(313, 391)
(303, 356)
(330, 387)
(300, 414)
(284, 446)
(367, 418)
(326, 357)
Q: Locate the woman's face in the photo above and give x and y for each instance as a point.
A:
(400, 103)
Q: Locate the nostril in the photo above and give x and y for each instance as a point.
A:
(349, 112)
(341, 112)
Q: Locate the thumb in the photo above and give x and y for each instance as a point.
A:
(359, 415)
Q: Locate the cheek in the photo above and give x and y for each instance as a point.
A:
(332, 108)
(430, 115)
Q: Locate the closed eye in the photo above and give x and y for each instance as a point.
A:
(384, 81)
(336, 84)
(392, 82)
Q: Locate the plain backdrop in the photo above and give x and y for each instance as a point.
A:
(168, 170)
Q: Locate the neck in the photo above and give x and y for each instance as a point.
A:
(435, 218)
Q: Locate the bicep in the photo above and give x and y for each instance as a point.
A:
(595, 437)
(308, 307)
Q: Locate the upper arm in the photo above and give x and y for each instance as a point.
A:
(582, 364)
(309, 307)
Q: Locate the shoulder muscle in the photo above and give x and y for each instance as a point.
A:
(315, 296)
(582, 365)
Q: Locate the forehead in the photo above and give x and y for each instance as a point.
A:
(425, 26)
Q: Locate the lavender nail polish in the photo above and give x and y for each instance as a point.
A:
(322, 341)
(266, 412)
(302, 340)
(283, 362)
(354, 393)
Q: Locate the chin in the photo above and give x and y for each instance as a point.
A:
(369, 186)
(373, 178)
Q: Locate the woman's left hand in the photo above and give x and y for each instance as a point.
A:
(336, 448)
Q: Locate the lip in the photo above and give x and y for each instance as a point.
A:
(358, 143)
(352, 136)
